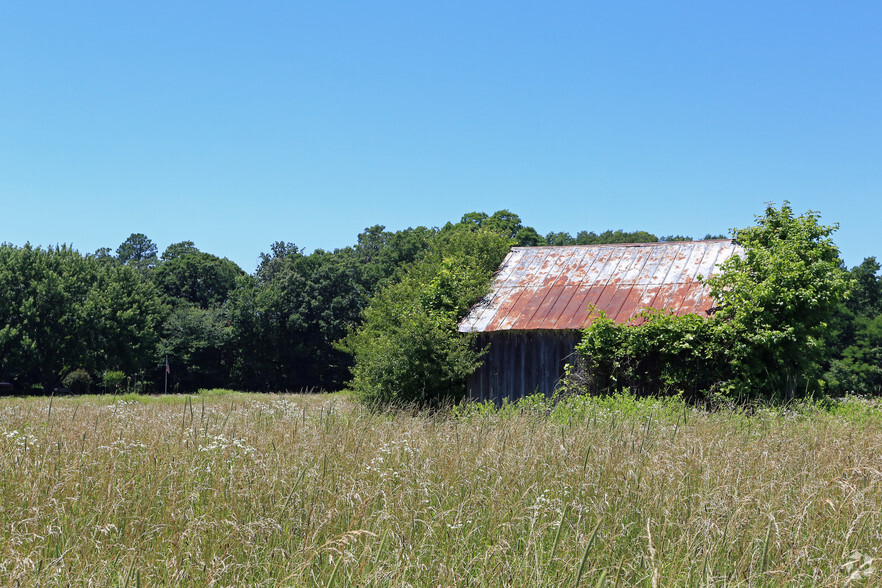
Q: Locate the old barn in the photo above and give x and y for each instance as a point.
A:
(541, 297)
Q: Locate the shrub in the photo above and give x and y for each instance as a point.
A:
(112, 379)
(666, 354)
(78, 381)
(408, 349)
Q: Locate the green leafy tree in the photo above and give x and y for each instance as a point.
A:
(866, 296)
(766, 337)
(276, 260)
(42, 313)
(617, 236)
(474, 219)
(528, 237)
(381, 254)
(505, 223)
(112, 380)
(665, 354)
(778, 299)
(61, 311)
(286, 320)
(125, 313)
(197, 342)
(408, 349)
(104, 256)
(562, 238)
(857, 368)
(854, 335)
(78, 381)
(197, 278)
(137, 251)
(176, 250)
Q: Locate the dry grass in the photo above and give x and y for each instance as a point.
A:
(313, 490)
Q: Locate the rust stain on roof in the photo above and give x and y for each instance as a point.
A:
(554, 287)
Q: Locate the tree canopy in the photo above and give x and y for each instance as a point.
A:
(62, 311)
(137, 251)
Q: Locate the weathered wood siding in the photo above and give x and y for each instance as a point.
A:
(520, 363)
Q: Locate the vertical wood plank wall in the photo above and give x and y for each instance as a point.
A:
(520, 363)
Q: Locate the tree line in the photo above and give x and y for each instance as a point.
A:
(379, 315)
(127, 310)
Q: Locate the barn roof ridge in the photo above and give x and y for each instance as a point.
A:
(641, 244)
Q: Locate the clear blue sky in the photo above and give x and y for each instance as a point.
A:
(237, 124)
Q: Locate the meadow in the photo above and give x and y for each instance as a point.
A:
(230, 489)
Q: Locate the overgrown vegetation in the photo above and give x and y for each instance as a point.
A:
(766, 339)
(312, 490)
(408, 349)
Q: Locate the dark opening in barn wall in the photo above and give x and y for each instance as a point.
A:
(521, 363)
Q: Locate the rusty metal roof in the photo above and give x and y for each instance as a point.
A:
(554, 287)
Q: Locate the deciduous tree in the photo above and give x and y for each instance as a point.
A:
(408, 349)
(60, 311)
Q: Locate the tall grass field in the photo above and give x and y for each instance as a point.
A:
(229, 489)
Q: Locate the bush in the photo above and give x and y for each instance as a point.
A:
(112, 380)
(408, 349)
(667, 354)
(78, 381)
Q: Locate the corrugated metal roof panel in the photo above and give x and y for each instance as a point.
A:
(555, 287)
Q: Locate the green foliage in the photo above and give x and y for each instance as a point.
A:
(104, 256)
(866, 295)
(665, 353)
(197, 278)
(775, 303)
(78, 381)
(504, 222)
(777, 300)
(196, 341)
(381, 255)
(112, 379)
(592, 238)
(528, 237)
(277, 329)
(137, 251)
(286, 320)
(854, 336)
(617, 236)
(60, 310)
(176, 250)
(561, 238)
(858, 367)
(125, 313)
(408, 349)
